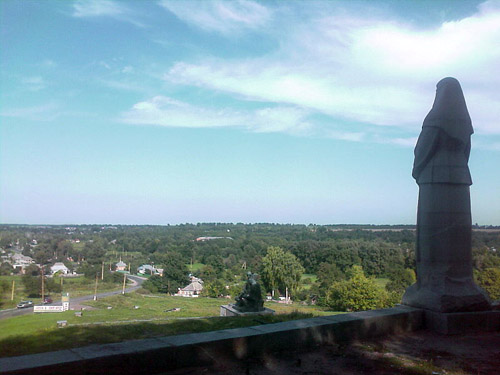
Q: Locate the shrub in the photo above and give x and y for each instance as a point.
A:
(357, 293)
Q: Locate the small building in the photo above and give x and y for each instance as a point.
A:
(121, 266)
(59, 267)
(203, 239)
(193, 289)
(21, 261)
(148, 269)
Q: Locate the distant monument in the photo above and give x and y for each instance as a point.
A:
(248, 302)
(444, 226)
(250, 299)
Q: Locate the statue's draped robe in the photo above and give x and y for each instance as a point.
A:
(443, 249)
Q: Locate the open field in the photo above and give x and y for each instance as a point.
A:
(38, 333)
(75, 286)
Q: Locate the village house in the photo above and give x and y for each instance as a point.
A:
(193, 289)
(148, 269)
(59, 267)
(20, 261)
(121, 266)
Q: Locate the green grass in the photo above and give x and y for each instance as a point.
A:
(5, 302)
(195, 267)
(76, 287)
(310, 276)
(36, 333)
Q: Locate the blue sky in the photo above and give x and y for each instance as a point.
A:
(165, 112)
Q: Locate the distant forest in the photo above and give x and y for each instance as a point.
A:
(376, 248)
(221, 249)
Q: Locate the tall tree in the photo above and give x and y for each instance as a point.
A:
(175, 272)
(281, 270)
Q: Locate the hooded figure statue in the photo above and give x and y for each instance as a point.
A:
(444, 224)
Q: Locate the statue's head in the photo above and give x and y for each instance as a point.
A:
(449, 111)
(449, 94)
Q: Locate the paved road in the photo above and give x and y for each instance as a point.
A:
(137, 281)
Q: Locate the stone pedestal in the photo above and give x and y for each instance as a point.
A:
(229, 310)
(463, 322)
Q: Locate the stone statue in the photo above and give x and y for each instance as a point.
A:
(250, 299)
(444, 224)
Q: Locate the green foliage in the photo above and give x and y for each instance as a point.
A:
(175, 272)
(484, 257)
(214, 289)
(208, 274)
(94, 251)
(400, 279)
(43, 253)
(281, 270)
(357, 293)
(5, 269)
(489, 280)
(329, 273)
(4, 287)
(156, 284)
(217, 264)
(33, 285)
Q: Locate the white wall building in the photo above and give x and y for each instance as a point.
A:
(192, 290)
(21, 261)
(59, 266)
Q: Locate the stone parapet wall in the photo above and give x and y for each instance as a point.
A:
(172, 352)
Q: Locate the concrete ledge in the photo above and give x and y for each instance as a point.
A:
(167, 353)
(229, 310)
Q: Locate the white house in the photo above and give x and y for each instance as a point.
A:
(21, 261)
(193, 289)
(59, 267)
(148, 269)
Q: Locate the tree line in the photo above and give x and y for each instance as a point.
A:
(340, 256)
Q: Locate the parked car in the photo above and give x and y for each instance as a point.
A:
(24, 304)
(47, 300)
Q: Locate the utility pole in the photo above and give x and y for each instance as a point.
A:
(124, 282)
(13, 287)
(102, 271)
(95, 291)
(43, 287)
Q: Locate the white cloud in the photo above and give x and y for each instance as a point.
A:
(104, 8)
(46, 112)
(104, 64)
(220, 16)
(362, 68)
(35, 83)
(48, 63)
(127, 69)
(164, 111)
(346, 136)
